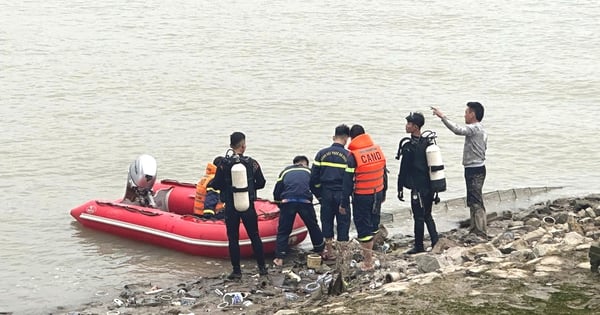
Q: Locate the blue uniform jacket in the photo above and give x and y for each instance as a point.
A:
(293, 185)
(328, 169)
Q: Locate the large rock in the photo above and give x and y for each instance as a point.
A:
(534, 235)
(582, 204)
(547, 269)
(573, 239)
(480, 250)
(561, 218)
(552, 261)
(395, 287)
(542, 293)
(513, 273)
(522, 255)
(427, 263)
(535, 222)
(546, 249)
(453, 256)
(442, 245)
(590, 212)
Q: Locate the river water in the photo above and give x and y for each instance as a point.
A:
(88, 86)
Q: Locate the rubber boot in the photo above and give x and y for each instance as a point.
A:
(328, 253)
(367, 249)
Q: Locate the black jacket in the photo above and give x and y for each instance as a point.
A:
(222, 180)
(414, 171)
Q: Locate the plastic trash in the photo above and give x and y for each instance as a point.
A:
(154, 290)
(290, 296)
(290, 274)
(188, 301)
(312, 287)
(385, 247)
(233, 298)
(325, 279)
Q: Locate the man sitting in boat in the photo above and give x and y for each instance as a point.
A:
(207, 203)
(141, 178)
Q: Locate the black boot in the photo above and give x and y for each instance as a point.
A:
(262, 270)
(235, 275)
(415, 250)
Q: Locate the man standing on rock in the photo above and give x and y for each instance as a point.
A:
(473, 161)
(366, 181)
(414, 175)
(255, 180)
(326, 182)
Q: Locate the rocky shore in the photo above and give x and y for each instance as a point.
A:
(536, 261)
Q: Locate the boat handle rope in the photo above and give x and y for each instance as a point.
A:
(129, 208)
(268, 215)
(191, 217)
(176, 182)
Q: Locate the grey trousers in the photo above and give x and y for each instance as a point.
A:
(474, 178)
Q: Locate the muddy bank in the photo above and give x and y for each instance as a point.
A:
(537, 260)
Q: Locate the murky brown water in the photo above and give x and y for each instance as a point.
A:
(86, 87)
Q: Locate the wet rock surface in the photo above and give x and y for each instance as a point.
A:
(539, 260)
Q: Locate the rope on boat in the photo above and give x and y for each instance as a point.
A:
(130, 208)
(176, 182)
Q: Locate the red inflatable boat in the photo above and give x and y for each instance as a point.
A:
(176, 228)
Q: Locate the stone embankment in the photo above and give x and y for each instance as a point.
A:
(537, 261)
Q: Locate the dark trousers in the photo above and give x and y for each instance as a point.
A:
(367, 215)
(250, 221)
(421, 205)
(474, 178)
(287, 215)
(330, 204)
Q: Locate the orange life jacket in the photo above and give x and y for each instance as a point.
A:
(370, 165)
(201, 190)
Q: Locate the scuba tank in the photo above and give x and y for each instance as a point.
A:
(239, 185)
(436, 168)
(435, 163)
(239, 181)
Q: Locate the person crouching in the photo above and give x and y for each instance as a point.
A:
(292, 192)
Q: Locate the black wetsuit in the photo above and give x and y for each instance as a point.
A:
(222, 182)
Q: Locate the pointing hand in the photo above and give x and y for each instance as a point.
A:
(437, 112)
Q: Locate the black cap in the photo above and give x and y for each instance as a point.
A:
(416, 118)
